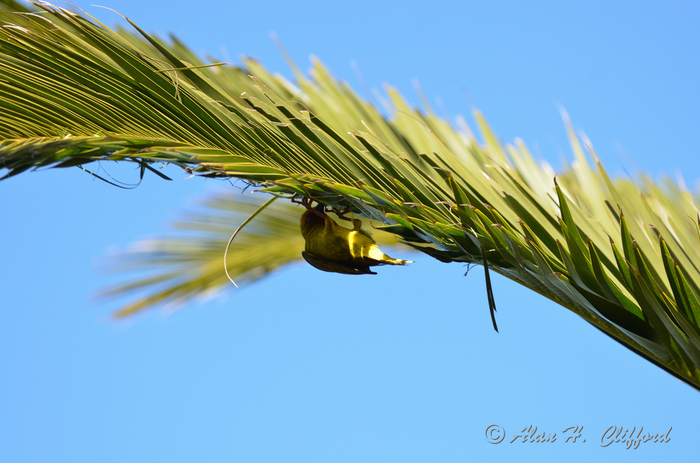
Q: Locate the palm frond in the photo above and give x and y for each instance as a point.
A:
(623, 256)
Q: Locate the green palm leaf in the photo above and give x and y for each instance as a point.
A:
(622, 256)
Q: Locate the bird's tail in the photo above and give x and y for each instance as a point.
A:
(392, 261)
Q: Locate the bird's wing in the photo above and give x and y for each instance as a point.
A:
(337, 267)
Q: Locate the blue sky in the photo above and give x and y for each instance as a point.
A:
(308, 366)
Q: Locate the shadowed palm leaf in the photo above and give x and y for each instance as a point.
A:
(189, 266)
(622, 256)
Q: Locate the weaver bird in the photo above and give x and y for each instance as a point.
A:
(332, 248)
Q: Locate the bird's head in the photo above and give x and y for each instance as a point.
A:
(312, 218)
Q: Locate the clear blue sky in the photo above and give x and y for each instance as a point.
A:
(307, 366)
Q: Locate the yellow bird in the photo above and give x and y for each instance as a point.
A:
(332, 248)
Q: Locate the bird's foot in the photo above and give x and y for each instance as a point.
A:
(319, 210)
(341, 215)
